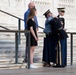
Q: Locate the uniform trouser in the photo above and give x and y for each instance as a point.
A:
(63, 43)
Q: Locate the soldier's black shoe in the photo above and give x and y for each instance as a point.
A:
(59, 66)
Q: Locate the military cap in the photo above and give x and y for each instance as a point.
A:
(47, 12)
(61, 9)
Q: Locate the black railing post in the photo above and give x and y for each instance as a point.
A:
(71, 49)
(16, 48)
(19, 28)
(28, 36)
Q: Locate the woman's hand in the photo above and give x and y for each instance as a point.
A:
(36, 39)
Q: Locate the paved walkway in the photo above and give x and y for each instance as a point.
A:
(70, 70)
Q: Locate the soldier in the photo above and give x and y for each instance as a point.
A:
(63, 42)
(61, 56)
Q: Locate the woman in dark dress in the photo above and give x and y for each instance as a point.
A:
(33, 35)
(48, 48)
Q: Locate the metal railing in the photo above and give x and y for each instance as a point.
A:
(19, 19)
(19, 22)
(4, 27)
(17, 34)
(25, 31)
(16, 43)
(71, 46)
(17, 37)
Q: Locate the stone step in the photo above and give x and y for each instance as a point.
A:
(7, 50)
(20, 65)
(17, 66)
(20, 60)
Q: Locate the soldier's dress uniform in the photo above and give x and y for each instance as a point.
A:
(58, 33)
(62, 45)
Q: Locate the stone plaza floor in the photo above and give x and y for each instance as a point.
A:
(69, 70)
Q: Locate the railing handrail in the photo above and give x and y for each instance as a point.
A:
(23, 20)
(11, 15)
(16, 17)
(15, 31)
(71, 32)
(9, 30)
(4, 27)
(16, 43)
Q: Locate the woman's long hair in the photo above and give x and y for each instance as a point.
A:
(31, 14)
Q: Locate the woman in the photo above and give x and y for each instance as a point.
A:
(33, 35)
(48, 48)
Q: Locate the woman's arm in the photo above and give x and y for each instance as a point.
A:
(33, 33)
(37, 32)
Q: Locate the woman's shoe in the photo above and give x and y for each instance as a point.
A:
(33, 66)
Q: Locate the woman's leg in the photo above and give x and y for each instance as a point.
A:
(31, 57)
(32, 54)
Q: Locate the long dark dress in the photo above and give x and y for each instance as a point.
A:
(48, 47)
(32, 23)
